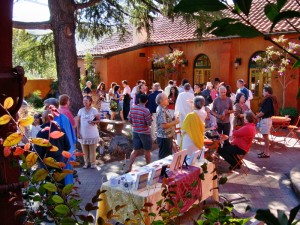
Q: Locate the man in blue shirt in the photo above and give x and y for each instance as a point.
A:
(151, 105)
(241, 88)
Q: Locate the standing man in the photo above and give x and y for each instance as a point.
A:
(126, 98)
(64, 104)
(197, 90)
(268, 108)
(206, 93)
(242, 89)
(88, 89)
(165, 126)
(222, 107)
(140, 119)
(151, 105)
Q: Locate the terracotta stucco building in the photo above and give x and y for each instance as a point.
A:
(207, 58)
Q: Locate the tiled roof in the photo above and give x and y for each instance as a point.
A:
(168, 31)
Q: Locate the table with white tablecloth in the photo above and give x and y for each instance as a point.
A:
(135, 199)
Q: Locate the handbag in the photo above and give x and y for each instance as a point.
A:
(113, 105)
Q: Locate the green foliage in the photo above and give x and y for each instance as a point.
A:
(90, 75)
(289, 111)
(269, 218)
(221, 215)
(191, 6)
(35, 53)
(35, 99)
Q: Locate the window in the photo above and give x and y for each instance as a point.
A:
(202, 69)
(257, 79)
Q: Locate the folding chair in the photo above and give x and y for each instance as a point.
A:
(292, 133)
(241, 163)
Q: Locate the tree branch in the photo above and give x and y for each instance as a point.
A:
(86, 4)
(32, 25)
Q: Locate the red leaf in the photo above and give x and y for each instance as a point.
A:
(56, 134)
(7, 151)
(79, 154)
(18, 151)
(66, 154)
(27, 147)
(46, 128)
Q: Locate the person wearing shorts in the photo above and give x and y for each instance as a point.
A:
(140, 119)
(265, 113)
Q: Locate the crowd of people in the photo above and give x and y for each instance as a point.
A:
(182, 116)
(173, 117)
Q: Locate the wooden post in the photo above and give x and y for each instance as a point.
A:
(11, 85)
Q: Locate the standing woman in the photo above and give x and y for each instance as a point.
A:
(87, 131)
(240, 108)
(172, 100)
(117, 97)
(232, 97)
(101, 94)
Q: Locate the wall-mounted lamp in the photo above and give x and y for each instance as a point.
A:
(184, 62)
(237, 62)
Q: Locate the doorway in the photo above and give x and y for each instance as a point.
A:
(257, 80)
(202, 69)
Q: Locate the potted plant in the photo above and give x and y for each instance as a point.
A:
(290, 112)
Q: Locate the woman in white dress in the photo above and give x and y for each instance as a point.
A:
(87, 131)
(192, 133)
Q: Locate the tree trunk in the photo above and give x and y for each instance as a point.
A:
(62, 17)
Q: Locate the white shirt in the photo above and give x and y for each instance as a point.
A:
(133, 91)
(184, 105)
(126, 90)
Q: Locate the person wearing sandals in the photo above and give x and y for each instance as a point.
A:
(268, 108)
(241, 141)
(87, 131)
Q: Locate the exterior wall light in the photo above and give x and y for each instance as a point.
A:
(237, 62)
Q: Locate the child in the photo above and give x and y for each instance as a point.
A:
(36, 125)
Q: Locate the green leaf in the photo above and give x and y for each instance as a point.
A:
(285, 15)
(67, 189)
(62, 209)
(158, 222)
(281, 3)
(293, 213)
(37, 198)
(221, 22)
(40, 175)
(296, 64)
(238, 29)
(194, 183)
(266, 215)
(22, 179)
(244, 5)
(50, 187)
(100, 221)
(57, 199)
(271, 11)
(74, 202)
(191, 6)
(222, 180)
(68, 221)
(282, 217)
(180, 204)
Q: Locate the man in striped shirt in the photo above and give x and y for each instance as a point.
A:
(140, 119)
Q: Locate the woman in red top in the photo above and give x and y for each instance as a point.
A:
(172, 99)
(242, 140)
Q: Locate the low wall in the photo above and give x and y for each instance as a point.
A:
(40, 84)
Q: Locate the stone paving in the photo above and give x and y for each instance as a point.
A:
(266, 186)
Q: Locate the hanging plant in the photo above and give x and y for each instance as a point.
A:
(170, 61)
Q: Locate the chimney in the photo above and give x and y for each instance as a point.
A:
(139, 36)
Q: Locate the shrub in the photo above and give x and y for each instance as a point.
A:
(289, 111)
(35, 99)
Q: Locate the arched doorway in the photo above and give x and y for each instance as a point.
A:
(257, 80)
(202, 68)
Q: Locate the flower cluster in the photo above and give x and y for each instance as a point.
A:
(169, 61)
(277, 59)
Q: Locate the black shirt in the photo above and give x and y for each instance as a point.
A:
(267, 108)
